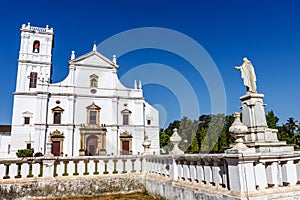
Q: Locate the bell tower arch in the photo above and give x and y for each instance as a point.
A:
(35, 58)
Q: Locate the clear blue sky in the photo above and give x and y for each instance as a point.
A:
(267, 32)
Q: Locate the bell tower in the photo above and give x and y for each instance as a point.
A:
(35, 58)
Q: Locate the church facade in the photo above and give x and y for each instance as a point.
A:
(90, 112)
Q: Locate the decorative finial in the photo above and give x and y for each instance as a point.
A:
(140, 84)
(73, 55)
(28, 24)
(114, 60)
(175, 140)
(94, 47)
(146, 144)
(47, 26)
(135, 85)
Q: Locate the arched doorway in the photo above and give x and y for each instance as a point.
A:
(92, 145)
(57, 139)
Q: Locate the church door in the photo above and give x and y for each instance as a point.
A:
(125, 147)
(56, 148)
(92, 145)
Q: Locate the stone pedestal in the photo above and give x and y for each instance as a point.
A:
(259, 136)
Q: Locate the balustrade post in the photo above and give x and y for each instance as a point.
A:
(273, 173)
(200, 172)
(289, 175)
(7, 171)
(48, 168)
(241, 174)
(132, 169)
(19, 164)
(207, 171)
(217, 171)
(260, 175)
(186, 170)
(115, 167)
(30, 175)
(65, 168)
(96, 167)
(86, 172)
(174, 169)
(76, 168)
(297, 163)
(105, 167)
(193, 171)
(124, 166)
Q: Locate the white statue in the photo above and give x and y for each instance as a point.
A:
(248, 74)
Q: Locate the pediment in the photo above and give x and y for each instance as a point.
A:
(93, 58)
(93, 107)
(126, 111)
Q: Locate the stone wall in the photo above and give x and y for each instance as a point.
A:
(58, 187)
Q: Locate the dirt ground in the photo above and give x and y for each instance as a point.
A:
(133, 196)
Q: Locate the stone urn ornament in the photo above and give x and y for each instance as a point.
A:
(146, 144)
(175, 140)
(238, 131)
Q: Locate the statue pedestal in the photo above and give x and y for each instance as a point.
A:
(259, 136)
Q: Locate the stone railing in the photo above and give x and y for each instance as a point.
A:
(241, 173)
(68, 166)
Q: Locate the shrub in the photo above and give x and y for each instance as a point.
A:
(38, 154)
(25, 153)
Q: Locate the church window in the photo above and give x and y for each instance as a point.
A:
(33, 80)
(94, 81)
(36, 46)
(56, 118)
(28, 146)
(93, 116)
(26, 120)
(93, 113)
(149, 119)
(126, 114)
(57, 114)
(125, 119)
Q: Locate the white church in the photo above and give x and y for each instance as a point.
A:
(88, 113)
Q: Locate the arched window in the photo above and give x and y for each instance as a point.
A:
(94, 81)
(125, 113)
(36, 46)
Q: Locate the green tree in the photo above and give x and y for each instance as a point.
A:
(272, 120)
(187, 130)
(291, 126)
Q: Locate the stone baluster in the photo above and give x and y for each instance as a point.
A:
(200, 172)
(186, 170)
(193, 171)
(289, 176)
(217, 171)
(273, 173)
(96, 172)
(174, 169)
(180, 170)
(260, 176)
(297, 163)
(207, 171)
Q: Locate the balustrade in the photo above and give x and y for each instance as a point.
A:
(235, 172)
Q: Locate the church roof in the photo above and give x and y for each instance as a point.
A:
(93, 56)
